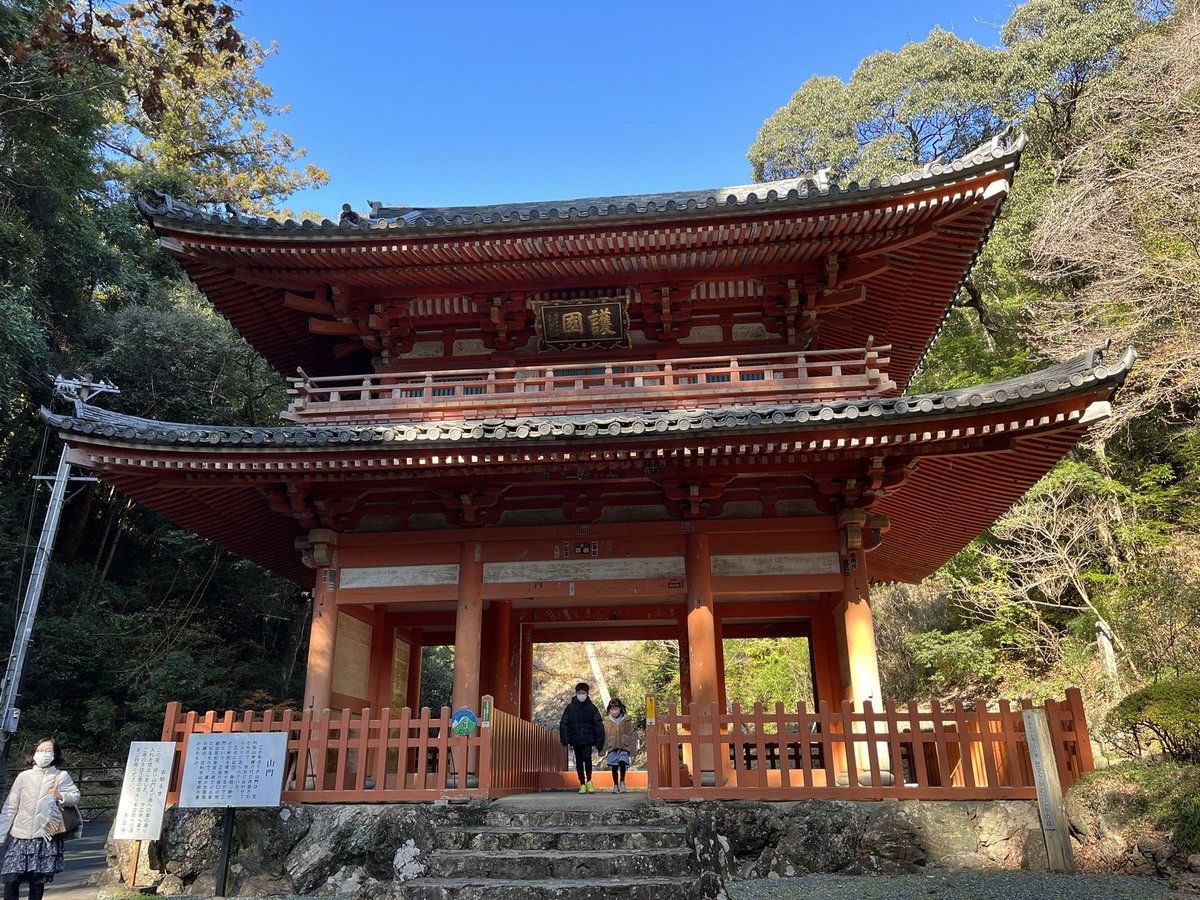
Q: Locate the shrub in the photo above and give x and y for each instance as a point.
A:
(1169, 710)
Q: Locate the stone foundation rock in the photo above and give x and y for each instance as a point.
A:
(385, 851)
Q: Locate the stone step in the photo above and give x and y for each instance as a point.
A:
(560, 864)
(653, 888)
(607, 837)
(558, 818)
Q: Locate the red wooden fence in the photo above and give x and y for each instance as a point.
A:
(828, 753)
(394, 755)
(344, 757)
(522, 754)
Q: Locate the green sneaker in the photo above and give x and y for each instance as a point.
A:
(587, 789)
(583, 788)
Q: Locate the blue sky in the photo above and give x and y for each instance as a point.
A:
(469, 103)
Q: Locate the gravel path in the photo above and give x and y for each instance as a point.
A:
(957, 884)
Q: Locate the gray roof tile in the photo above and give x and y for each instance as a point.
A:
(805, 190)
(1085, 371)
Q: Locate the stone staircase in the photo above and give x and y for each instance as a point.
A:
(629, 851)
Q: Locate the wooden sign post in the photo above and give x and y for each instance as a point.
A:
(1052, 808)
(143, 796)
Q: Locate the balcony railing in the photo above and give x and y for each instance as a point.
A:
(598, 387)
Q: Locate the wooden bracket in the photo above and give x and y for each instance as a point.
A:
(666, 310)
(472, 505)
(694, 500)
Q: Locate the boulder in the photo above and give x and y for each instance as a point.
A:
(817, 836)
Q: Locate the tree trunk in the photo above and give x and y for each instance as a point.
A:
(75, 519)
(601, 684)
(102, 575)
(301, 604)
(1108, 655)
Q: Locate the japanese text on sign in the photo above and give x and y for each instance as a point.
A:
(233, 770)
(579, 324)
(144, 791)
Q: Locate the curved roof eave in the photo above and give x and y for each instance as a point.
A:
(1082, 373)
(946, 501)
(812, 191)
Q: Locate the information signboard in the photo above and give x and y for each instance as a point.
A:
(233, 770)
(144, 791)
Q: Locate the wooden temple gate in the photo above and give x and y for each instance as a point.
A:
(675, 416)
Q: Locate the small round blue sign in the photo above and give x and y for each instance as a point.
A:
(463, 721)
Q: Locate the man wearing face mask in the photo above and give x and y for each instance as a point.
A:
(34, 854)
(582, 728)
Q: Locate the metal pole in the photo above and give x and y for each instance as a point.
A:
(226, 843)
(29, 608)
(79, 391)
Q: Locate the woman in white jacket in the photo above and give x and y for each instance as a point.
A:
(31, 855)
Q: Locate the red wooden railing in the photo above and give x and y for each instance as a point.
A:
(522, 755)
(393, 755)
(837, 752)
(341, 757)
(611, 386)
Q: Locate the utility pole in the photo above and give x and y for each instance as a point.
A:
(75, 389)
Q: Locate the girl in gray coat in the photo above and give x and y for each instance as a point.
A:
(31, 855)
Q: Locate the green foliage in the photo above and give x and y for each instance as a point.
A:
(177, 356)
(932, 98)
(136, 611)
(1168, 710)
(768, 670)
(1162, 796)
(437, 677)
(958, 663)
(1058, 48)
(224, 146)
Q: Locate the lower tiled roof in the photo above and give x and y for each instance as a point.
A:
(1086, 370)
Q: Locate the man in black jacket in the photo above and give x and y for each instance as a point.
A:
(582, 728)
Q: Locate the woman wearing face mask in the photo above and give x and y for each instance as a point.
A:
(31, 855)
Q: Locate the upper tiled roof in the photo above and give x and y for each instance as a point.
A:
(811, 190)
(1084, 371)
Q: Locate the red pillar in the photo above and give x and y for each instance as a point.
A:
(414, 669)
(701, 624)
(499, 637)
(467, 627)
(526, 698)
(382, 650)
(321, 638)
(722, 697)
(702, 648)
(685, 669)
(827, 676)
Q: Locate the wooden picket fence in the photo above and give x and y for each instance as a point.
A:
(345, 757)
(386, 756)
(899, 752)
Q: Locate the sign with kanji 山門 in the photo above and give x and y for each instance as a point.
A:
(233, 769)
(144, 791)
